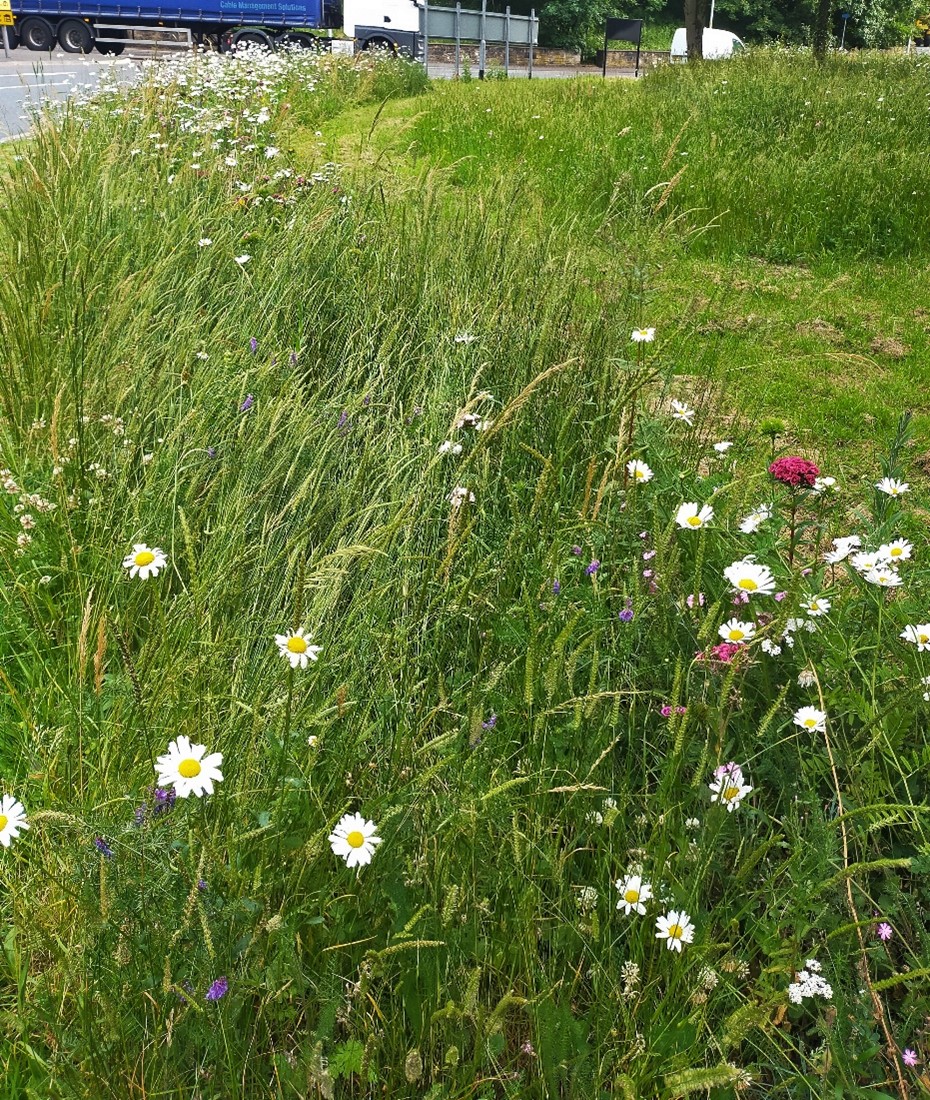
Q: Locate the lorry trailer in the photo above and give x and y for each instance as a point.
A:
(79, 26)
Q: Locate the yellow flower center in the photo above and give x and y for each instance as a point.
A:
(675, 931)
(694, 521)
(923, 638)
(355, 839)
(813, 606)
(735, 635)
(748, 584)
(144, 557)
(730, 793)
(640, 473)
(810, 723)
(297, 644)
(896, 551)
(189, 768)
(632, 896)
(3, 820)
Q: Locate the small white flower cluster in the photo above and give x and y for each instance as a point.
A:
(878, 567)
(809, 984)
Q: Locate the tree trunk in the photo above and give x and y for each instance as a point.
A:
(822, 29)
(694, 29)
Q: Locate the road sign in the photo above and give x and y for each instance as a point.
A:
(5, 5)
(6, 18)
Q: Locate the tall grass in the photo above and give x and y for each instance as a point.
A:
(478, 694)
(761, 154)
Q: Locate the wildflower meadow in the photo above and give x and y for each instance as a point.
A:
(434, 662)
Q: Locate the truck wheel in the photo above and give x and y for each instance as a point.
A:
(75, 36)
(303, 41)
(252, 38)
(380, 44)
(37, 34)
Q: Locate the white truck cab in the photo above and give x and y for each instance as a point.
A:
(716, 44)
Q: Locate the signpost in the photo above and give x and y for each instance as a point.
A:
(6, 20)
(623, 30)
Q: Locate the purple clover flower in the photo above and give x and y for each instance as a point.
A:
(626, 615)
(556, 588)
(103, 848)
(247, 404)
(576, 550)
(593, 567)
(218, 989)
(164, 798)
(293, 358)
(490, 723)
(253, 345)
(211, 452)
(201, 884)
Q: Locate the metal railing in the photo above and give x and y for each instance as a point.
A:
(460, 25)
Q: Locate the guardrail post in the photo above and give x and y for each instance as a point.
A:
(507, 39)
(426, 38)
(458, 38)
(482, 45)
(529, 75)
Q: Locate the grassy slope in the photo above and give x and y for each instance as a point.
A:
(472, 933)
(834, 343)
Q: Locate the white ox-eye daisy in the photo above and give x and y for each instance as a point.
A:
(12, 819)
(899, 550)
(633, 892)
(735, 630)
(755, 519)
(884, 576)
(824, 484)
(692, 515)
(747, 576)
(723, 446)
(639, 471)
(864, 562)
(675, 928)
(919, 635)
(185, 767)
(354, 839)
(144, 561)
(842, 548)
(810, 718)
(296, 648)
(892, 486)
(643, 335)
(682, 411)
(815, 606)
(729, 789)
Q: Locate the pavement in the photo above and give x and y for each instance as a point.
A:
(28, 78)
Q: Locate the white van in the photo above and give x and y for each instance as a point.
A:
(716, 44)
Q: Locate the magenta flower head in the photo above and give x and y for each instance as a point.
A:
(884, 932)
(218, 989)
(909, 1057)
(666, 711)
(795, 471)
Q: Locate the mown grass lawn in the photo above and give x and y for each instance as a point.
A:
(462, 586)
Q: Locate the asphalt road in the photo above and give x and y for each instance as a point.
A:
(28, 78)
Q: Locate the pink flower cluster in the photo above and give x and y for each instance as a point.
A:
(668, 711)
(722, 653)
(795, 471)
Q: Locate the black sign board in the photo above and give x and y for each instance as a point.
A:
(623, 30)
